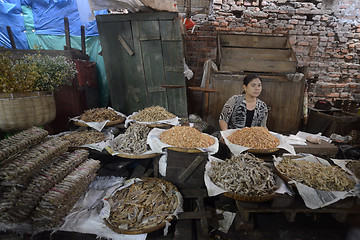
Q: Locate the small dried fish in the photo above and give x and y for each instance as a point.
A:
(186, 137)
(142, 205)
(254, 137)
(153, 114)
(79, 138)
(316, 175)
(244, 174)
(133, 141)
(100, 115)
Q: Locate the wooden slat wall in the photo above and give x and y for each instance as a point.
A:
(253, 41)
(284, 97)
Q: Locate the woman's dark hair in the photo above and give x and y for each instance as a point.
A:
(249, 78)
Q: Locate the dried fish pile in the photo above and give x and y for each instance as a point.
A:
(354, 167)
(21, 141)
(316, 175)
(133, 141)
(45, 179)
(100, 115)
(79, 138)
(186, 137)
(244, 175)
(16, 172)
(153, 114)
(142, 205)
(254, 137)
(59, 200)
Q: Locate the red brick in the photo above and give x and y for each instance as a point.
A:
(333, 95)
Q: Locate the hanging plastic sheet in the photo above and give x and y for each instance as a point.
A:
(10, 15)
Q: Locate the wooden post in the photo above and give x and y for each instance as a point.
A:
(67, 33)
(11, 37)
(83, 44)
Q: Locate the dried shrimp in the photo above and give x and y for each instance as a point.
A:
(244, 174)
(100, 115)
(316, 175)
(143, 205)
(254, 137)
(186, 137)
(153, 114)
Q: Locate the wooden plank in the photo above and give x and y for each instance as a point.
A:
(67, 33)
(139, 17)
(189, 170)
(124, 44)
(255, 41)
(264, 66)
(154, 72)
(237, 54)
(11, 37)
(149, 30)
(83, 44)
(183, 230)
(170, 30)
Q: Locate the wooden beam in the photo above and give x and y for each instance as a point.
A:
(11, 37)
(67, 33)
(83, 44)
(125, 45)
(186, 174)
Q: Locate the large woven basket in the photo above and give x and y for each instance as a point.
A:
(19, 111)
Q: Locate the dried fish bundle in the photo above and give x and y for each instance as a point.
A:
(43, 181)
(354, 167)
(153, 114)
(254, 137)
(20, 141)
(21, 167)
(316, 175)
(79, 138)
(133, 141)
(186, 137)
(244, 174)
(101, 115)
(59, 200)
(142, 205)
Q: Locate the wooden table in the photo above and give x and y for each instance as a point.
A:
(324, 149)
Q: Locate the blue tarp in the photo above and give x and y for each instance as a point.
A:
(40, 24)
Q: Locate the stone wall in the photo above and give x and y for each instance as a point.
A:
(324, 34)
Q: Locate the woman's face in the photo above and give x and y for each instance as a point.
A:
(254, 88)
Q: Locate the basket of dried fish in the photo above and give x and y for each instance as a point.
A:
(132, 144)
(83, 139)
(317, 175)
(243, 177)
(142, 206)
(99, 115)
(154, 116)
(186, 139)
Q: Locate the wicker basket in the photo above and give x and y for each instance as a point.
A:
(19, 111)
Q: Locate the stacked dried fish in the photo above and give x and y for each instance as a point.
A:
(254, 137)
(244, 174)
(21, 141)
(354, 167)
(186, 137)
(133, 141)
(16, 172)
(59, 200)
(101, 115)
(153, 114)
(316, 175)
(45, 179)
(142, 205)
(79, 138)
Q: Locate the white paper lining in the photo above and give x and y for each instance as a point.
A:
(172, 121)
(97, 125)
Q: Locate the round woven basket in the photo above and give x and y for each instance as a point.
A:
(262, 151)
(108, 124)
(244, 198)
(19, 111)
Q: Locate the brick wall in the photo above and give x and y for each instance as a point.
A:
(324, 34)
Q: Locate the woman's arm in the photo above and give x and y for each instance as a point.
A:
(223, 125)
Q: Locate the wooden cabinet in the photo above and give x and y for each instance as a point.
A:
(143, 56)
